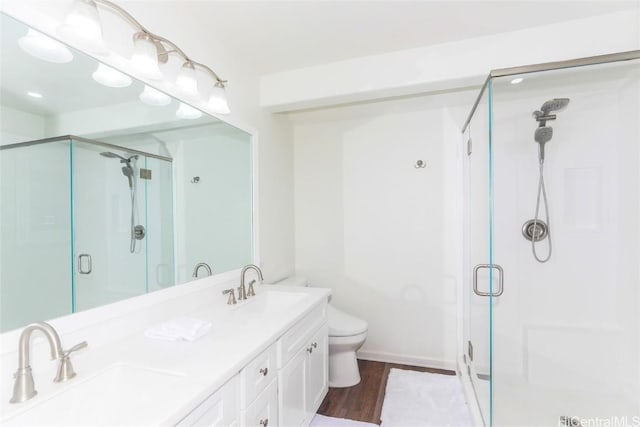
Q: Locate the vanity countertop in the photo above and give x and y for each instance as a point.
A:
(169, 378)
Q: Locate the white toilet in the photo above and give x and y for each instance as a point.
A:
(346, 335)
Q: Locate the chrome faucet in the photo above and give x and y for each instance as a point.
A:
(242, 292)
(24, 388)
(205, 266)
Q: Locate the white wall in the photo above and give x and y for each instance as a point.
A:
(447, 66)
(379, 232)
(275, 174)
(19, 126)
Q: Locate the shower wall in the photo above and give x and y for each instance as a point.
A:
(566, 333)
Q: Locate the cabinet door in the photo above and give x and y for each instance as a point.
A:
(292, 385)
(218, 410)
(264, 411)
(317, 371)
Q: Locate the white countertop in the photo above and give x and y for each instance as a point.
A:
(191, 371)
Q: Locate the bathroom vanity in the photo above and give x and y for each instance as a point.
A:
(264, 362)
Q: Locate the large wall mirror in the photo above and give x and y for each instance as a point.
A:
(108, 188)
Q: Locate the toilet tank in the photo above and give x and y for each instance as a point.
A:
(292, 281)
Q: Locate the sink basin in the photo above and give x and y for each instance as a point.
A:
(270, 302)
(120, 392)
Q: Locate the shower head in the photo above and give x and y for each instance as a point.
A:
(112, 155)
(128, 172)
(555, 104)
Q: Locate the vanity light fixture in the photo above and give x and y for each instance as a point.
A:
(110, 77)
(145, 57)
(188, 112)
(153, 97)
(218, 99)
(517, 80)
(83, 24)
(44, 47)
(186, 81)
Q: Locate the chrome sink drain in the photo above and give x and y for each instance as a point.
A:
(532, 228)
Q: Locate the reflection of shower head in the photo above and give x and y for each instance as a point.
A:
(112, 155)
(127, 169)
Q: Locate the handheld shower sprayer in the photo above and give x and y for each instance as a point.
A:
(536, 229)
(128, 170)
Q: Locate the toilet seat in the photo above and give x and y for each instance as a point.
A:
(342, 324)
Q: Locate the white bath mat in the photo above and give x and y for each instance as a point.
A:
(421, 399)
(322, 421)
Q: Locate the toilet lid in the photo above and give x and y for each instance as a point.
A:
(342, 324)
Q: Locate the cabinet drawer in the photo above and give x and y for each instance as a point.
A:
(257, 375)
(218, 410)
(264, 411)
(296, 337)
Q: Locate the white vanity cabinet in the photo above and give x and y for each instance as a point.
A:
(218, 410)
(303, 378)
(283, 386)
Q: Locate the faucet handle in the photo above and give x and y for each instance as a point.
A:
(76, 347)
(65, 368)
(232, 296)
(251, 292)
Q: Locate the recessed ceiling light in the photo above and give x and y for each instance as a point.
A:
(517, 80)
(34, 94)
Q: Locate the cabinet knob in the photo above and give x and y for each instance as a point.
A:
(265, 422)
(310, 350)
(314, 345)
(264, 371)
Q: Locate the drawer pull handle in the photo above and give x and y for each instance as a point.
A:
(315, 345)
(264, 371)
(265, 422)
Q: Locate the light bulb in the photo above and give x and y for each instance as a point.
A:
(188, 112)
(107, 76)
(153, 97)
(218, 100)
(44, 47)
(145, 57)
(82, 25)
(186, 81)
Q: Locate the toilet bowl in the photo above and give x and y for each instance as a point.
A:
(347, 333)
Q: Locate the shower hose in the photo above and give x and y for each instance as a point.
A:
(541, 191)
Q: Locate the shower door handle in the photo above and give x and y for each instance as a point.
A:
(500, 280)
(81, 265)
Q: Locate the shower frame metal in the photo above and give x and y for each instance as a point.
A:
(549, 66)
(86, 141)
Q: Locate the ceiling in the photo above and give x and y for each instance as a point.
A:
(271, 36)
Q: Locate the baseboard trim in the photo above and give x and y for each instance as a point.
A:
(424, 362)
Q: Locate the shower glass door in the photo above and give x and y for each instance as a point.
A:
(105, 268)
(478, 275)
(566, 332)
(114, 257)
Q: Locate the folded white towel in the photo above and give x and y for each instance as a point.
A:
(180, 328)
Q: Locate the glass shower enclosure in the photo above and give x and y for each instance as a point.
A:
(84, 224)
(552, 244)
